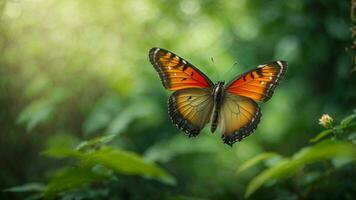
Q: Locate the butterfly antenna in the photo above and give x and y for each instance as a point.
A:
(231, 68)
(212, 60)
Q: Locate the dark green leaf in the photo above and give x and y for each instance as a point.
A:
(72, 178)
(321, 151)
(347, 120)
(120, 161)
(321, 135)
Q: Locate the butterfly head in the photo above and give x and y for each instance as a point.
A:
(218, 89)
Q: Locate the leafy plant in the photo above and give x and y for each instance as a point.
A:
(332, 149)
(94, 163)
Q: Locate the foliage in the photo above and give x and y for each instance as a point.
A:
(76, 85)
(326, 150)
(98, 163)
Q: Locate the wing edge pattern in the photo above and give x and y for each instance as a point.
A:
(244, 131)
(180, 121)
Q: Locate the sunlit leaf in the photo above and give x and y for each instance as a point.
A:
(128, 163)
(28, 187)
(98, 141)
(72, 178)
(288, 166)
(62, 139)
(62, 152)
(120, 161)
(255, 160)
(321, 135)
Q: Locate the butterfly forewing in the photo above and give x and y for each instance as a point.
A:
(190, 109)
(239, 117)
(259, 84)
(196, 98)
(175, 72)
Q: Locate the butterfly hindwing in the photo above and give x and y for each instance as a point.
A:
(190, 109)
(197, 100)
(175, 72)
(239, 117)
(259, 84)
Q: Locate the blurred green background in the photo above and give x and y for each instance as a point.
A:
(71, 71)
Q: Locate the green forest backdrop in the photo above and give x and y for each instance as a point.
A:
(83, 114)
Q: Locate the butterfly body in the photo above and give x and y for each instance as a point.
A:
(218, 95)
(196, 101)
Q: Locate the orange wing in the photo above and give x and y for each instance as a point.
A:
(239, 117)
(190, 109)
(259, 84)
(175, 72)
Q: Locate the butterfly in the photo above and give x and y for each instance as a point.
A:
(197, 101)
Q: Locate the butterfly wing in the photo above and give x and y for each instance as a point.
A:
(239, 117)
(190, 109)
(175, 72)
(259, 84)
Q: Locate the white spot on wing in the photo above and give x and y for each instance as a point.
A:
(155, 52)
(281, 70)
(280, 63)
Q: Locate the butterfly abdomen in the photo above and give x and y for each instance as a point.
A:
(218, 94)
(214, 120)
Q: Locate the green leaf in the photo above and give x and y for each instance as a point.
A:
(28, 187)
(72, 178)
(127, 163)
(347, 120)
(98, 141)
(255, 160)
(62, 152)
(120, 161)
(321, 135)
(288, 166)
